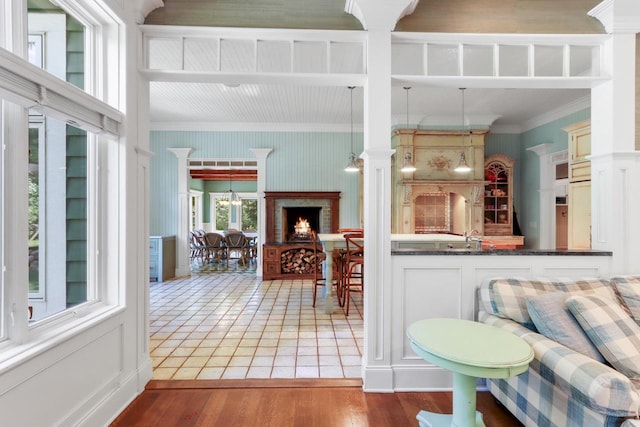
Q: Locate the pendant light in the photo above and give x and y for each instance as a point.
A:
(352, 166)
(407, 165)
(463, 166)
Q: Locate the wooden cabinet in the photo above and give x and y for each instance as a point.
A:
(498, 196)
(579, 192)
(274, 265)
(162, 258)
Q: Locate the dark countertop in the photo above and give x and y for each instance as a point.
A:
(503, 252)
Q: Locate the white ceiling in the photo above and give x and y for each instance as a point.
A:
(209, 106)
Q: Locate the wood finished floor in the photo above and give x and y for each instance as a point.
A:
(304, 403)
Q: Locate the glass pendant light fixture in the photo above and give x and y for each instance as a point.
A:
(352, 166)
(463, 166)
(407, 165)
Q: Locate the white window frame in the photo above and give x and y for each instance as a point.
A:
(195, 198)
(214, 196)
(23, 85)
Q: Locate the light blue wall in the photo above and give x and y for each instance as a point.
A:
(315, 161)
(549, 133)
(300, 161)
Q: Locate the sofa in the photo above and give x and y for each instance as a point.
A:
(585, 334)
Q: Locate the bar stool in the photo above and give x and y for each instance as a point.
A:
(317, 260)
(354, 268)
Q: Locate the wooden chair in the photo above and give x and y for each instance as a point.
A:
(237, 244)
(354, 268)
(215, 247)
(340, 262)
(198, 245)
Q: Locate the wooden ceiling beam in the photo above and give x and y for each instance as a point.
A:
(224, 175)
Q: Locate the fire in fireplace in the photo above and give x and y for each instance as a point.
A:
(299, 221)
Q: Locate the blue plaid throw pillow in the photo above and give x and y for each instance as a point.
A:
(614, 333)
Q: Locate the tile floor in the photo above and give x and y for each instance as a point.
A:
(231, 325)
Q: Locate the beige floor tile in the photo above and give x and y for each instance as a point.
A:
(331, 372)
(240, 361)
(262, 361)
(164, 373)
(283, 372)
(211, 323)
(186, 374)
(173, 362)
(210, 373)
(259, 372)
(195, 362)
(284, 361)
(307, 372)
(235, 372)
(266, 351)
(307, 361)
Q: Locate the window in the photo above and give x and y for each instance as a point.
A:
(240, 217)
(59, 222)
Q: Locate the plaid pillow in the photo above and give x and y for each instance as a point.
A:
(611, 330)
(506, 296)
(628, 288)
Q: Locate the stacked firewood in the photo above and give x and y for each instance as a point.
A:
(297, 261)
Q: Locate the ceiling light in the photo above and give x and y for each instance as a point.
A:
(352, 166)
(463, 166)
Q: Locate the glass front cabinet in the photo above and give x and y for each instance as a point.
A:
(498, 196)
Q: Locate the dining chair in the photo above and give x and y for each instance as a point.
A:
(215, 247)
(198, 245)
(354, 268)
(237, 246)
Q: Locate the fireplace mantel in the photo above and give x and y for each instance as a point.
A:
(275, 199)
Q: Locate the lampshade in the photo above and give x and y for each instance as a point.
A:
(407, 165)
(352, 166)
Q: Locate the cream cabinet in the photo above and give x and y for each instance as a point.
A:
(579, 222)
(579, 191)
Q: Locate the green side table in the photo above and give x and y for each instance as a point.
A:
(469, 350)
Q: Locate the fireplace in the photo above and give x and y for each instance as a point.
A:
(299, 221)
(283, 209)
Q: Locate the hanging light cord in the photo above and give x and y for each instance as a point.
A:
(407, 89)
(463, 126)
(351, 92)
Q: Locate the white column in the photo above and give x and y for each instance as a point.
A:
(615, 165)
(261, 156)
(182, 236)
(377, 370)
(547, 198)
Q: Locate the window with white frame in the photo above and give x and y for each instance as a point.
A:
(240, 216)
(60, 156)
